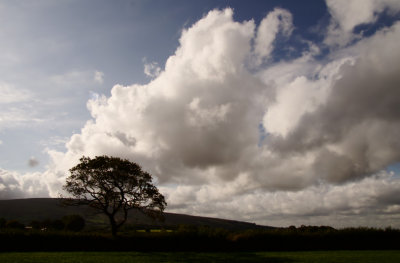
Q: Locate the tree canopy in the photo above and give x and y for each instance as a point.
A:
(113, 186)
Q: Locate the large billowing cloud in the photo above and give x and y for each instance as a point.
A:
(226, 132)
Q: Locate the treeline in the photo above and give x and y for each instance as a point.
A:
(192, 238)
(67, 223)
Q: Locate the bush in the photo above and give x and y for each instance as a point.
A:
(2, 222)
(36, 224)
(74, 222)
(57, 225)
(14, 224)
(49, 224)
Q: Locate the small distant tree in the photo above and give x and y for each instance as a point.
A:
(113, 186)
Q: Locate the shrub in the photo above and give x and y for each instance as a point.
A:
(74, 222)
(14, 224)
(57, 225)
(36, 224)
(2, 222)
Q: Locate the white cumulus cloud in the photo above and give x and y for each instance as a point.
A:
(151, 69)
(279, 20)
(301, 139)
(98, 77)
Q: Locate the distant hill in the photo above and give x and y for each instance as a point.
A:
(27, 210)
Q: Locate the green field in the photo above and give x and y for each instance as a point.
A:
(125, 257)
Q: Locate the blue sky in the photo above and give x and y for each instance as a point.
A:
(224, 102)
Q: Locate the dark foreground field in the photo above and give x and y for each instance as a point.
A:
(272, 257)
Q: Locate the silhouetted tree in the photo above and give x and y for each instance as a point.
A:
(113, 186)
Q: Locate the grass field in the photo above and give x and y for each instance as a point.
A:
(272, 257)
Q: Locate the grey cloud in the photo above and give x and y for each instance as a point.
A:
(14, 185)
(346, 15)
(124, 138)
(336, 168)
(9, 186)
(391, 196)
(370, 201)
(32, 162)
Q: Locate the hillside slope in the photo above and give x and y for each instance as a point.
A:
(26, 210)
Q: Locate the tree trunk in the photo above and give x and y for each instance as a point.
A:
(113, 224)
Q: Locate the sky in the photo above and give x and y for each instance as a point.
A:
(273, 112)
